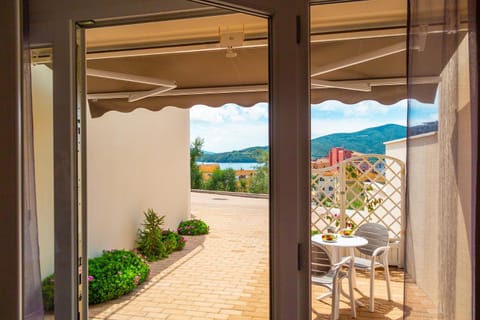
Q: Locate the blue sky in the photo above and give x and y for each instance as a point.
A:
(232, 127)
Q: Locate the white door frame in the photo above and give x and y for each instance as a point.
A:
(11, 159)
(289, 135)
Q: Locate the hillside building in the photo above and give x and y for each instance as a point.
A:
(338, 154)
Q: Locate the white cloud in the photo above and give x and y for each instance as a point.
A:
(330, 105)
(364, 108)
(228, 113)
(257, 112)
(351, 118)
(230, 127)
(205, 114)
(231, 136)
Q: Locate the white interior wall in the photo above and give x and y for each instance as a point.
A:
(135, 161)
(42, 101)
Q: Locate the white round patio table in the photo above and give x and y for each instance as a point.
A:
(342, 242)
(349, 243)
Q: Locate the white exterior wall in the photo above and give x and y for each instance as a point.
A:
(42, 99)
(135, 161)
(423, 208)
(397, 149)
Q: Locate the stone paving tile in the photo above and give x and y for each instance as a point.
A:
(224, 275)
(211, 276)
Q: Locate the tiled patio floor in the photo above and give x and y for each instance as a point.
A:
(224, 275)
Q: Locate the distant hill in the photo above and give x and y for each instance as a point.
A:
(423, 128)
(369, 140)
(365, 141)
(245, 155)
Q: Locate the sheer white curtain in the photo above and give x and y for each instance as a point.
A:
(440, 167)
(32, 292)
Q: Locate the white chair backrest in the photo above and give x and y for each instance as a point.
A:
(376, 234)
(321, 261)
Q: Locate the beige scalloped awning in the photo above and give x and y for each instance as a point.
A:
(190, 57)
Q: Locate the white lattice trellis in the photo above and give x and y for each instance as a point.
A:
(367, 188)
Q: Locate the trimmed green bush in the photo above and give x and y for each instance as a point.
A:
(149, 239)
(173, 237)
(170, 244)
(193, 227)
(115, 274)
(112, 275)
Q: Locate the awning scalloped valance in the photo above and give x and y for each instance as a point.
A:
(350, 71)
(385, 95)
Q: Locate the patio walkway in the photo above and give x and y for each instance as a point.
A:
(224, 275)
(220, 276)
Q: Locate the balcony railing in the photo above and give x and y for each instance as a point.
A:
(367, 188)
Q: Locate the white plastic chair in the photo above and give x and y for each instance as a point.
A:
(377, 251)
(330, 276)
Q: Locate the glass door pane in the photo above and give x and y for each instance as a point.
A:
(358, 110)
(439, 238)
(153, 89)
(42, 107)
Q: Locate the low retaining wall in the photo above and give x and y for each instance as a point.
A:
(234, 194)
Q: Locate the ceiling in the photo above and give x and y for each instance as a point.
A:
(358, 52)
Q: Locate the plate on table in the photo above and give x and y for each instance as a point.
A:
(346, 233)
(330, 241)
(329, 237)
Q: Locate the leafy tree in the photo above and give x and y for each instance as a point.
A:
(259, 183)
(223, 180)
(196, 180)
(242, 185)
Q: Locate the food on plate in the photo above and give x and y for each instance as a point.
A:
(329, 237)
(346, 232)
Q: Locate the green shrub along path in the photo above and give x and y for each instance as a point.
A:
(193, 227)
(112, 275)
(117, 272)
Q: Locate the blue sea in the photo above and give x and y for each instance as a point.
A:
(235, 165)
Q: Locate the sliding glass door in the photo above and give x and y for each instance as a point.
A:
(288, 131)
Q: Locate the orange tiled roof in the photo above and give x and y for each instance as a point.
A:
(208, 168)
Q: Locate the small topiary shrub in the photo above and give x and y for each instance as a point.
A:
(115, 274)
(112, 275)
(48, 292)
(174, 238)
(193, 227)
(149, 239)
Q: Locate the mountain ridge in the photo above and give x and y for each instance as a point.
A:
(369, 140)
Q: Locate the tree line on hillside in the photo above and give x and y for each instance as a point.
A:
(225, 179)
(370, 140)
(237, 156)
